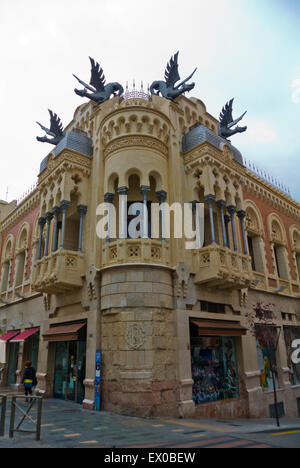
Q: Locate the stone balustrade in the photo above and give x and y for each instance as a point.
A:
(59, 272)
(217, 266)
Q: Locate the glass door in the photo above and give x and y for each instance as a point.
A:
(12, 363)
(70, 370)
(61, 368)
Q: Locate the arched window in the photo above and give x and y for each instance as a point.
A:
(255, 237)
(278, 239)
(6, 263)
(21, 257)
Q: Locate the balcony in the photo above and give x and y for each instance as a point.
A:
(217, 266)
(135, 251)
(59, 272)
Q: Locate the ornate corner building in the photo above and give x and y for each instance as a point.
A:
(170, 322)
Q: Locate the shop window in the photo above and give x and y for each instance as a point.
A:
(214, 369)
(291, 334)
(264, 365)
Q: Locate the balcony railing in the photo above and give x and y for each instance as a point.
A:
(59, 272)
(135, 251)
(216, 266)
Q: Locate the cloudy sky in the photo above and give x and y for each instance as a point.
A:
(247, 49)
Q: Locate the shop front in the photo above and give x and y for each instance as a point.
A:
(214, 360)
(68, 346)
(12, 353)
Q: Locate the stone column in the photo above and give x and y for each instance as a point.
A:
(56, 211)
(109, 198)
(227, 221)
(82, 210)
(64, 206)
(145, 189)
(42, 222)
(123, 193)
(49, 217)
(162, 198)
(232, 210)
(242, 215)
(221, 204)
(210, 199)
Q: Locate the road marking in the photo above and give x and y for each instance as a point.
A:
(199, 426)
(72, 435)
(90, 442)
(285, 433)
(47, 425)
(234, 444)
(59, 430)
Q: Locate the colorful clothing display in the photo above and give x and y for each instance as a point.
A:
(214, 369)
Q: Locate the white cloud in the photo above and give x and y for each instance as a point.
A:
(260, 131)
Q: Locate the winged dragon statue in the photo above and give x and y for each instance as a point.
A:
(100, 92)
(226, 122)
(167, 88)
(56, 130)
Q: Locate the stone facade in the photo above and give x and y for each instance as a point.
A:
(137, 299)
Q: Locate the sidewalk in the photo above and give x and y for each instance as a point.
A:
(66, 425)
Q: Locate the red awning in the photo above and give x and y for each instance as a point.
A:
(9, 335)
(25, 335)
(64, 332)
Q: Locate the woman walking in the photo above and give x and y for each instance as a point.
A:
(29, 378)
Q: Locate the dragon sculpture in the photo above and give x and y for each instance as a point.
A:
(99, 91)
(56, 130)
(227, 123)
(167, 88)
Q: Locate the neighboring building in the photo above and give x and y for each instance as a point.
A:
(170, 322)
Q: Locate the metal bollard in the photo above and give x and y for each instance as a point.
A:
(3, 413)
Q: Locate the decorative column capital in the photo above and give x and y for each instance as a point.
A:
(109, 197)
(209, 198)
(49, 217)
(65, 204)
(241, 214)
(82, 209)
(123, 190)
(145, 189)
(221, 204)
(161, 196)
(56, 210)
(42, 222)
(231, 209)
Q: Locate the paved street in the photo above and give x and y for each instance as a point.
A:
(67, 425)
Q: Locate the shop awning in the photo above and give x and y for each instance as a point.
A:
(219, 328)
(9, 335)
(25, 335)
(64, 332)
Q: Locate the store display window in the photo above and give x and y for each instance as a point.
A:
(264, 364)
(214, 369)
(291, 334)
